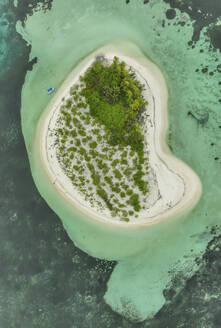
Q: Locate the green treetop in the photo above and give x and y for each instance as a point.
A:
(115, 100)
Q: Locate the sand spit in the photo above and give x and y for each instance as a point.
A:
(178, 187)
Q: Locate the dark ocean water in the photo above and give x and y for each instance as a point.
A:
(45, 281)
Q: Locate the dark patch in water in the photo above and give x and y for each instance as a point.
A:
(32, 63)
(201, 117)
(170, 14)
(215, 37)
(205, 70)
(26, 8)
(144, 1)
(202, 12)
(198, 303)
(219, 68)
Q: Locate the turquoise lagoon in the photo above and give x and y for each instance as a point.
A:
(148, 259)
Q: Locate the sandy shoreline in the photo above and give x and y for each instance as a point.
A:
(184, 183)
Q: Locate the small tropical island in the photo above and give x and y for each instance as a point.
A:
(102, 145)
(100, 139)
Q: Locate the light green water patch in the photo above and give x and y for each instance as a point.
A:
(60, 39)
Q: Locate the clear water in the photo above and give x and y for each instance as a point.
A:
(60, 39)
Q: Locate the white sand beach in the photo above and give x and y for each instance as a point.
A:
(174, 187)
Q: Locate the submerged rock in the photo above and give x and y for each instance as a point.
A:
(199, 115)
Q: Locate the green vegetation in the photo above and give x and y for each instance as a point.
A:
(115, 100)
(100, 143)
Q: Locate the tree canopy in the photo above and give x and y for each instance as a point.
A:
(115, 100)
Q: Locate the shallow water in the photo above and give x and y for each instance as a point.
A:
(74, 30)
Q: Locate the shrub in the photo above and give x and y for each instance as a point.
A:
(77, 142)
(105, 149)
(105, 169)
(108, 180)
(115, 189)
(82, 132)
(96, 179)
(74, 109)
(100, 164)
(82, 179)
(68, 103)
(124, 154)
(76, 121)
(102, 193)
(124, 213)
(87, 121)
(60, 131)
(127, 172)
(117, 174)
(73, 133)
(82, 117)
(82, 151)
(134, 201)
(123, 162)
(93, 153)
(129, 192)
(76, 168)
(76, 98)
(99, 138)
(115, 162)
(93, 144)
(72, 149)
(122, 194)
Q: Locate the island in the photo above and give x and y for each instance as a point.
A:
(102, 143)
